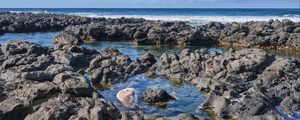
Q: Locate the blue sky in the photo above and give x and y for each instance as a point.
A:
(150, 3)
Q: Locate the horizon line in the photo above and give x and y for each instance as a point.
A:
(147, 8)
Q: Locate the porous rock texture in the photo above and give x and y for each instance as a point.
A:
(272, 34)
(31, 22)
(42, 83)
(50, 83)
(244, 84)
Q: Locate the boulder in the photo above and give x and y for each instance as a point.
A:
(73, 83)
(155, 96)
(67, 38)
(81, 108)
(139, 35)
(23, 48)
(73, 56)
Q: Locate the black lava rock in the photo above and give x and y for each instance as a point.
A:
(155, 96)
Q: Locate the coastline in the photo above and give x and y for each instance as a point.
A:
(49, 83)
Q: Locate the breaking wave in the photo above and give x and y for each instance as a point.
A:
(196, 19)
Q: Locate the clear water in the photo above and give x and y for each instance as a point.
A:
(46, 39)
(286, 116)
(188, 98)
(135, 51)
(42, 38)
(193, 15)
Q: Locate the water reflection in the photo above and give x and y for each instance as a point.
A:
(188, 97)
(135, 51)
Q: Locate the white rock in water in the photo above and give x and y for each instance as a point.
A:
(127, 97)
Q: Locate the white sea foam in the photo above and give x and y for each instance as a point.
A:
(192, 19)
(197, 19)
(292, 15)
(32, 11)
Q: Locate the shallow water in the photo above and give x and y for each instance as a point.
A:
(188, 98)
(46, 39)
(42, 38)
(135, 51)
(286, 116)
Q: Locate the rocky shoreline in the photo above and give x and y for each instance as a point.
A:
(272, 34)
(37, 82)
(30, 22)
(43, 83)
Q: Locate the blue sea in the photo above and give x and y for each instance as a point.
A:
(193, 15)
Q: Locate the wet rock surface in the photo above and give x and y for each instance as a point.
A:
(155, 96)
(43, 83)
(239, 84)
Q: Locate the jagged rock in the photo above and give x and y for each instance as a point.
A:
(34, 86)
(67, 39)
(74, 56)
(217, 103)
(73, 83)
(236, 80)
(112, 67)
(139, 35)
(62, 107)
(42, 83)
(141, 31)
(30, 22)
(19, 101)
(37, 76)
(58, 68)
(109, 67)
(154, 96)
(25, 48)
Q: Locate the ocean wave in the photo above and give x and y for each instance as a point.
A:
(89, 14)
(292, 15)
(31, 11)
(194, 19)
(199, 19)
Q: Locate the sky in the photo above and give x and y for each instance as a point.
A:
(150, 4)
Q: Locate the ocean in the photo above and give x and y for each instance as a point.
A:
(193, 15)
